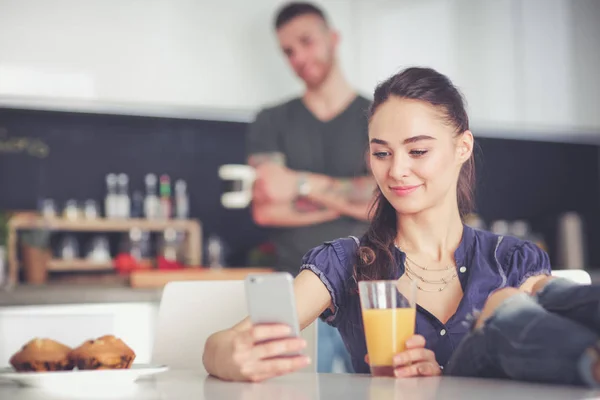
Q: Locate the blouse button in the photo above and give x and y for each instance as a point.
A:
(442, 332)
(463, 269)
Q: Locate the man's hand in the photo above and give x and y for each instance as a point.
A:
(275, 183)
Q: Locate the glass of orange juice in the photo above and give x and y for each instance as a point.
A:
(389, 320)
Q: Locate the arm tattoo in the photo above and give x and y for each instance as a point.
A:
(358, 190)
(256, 159)
(304, 205)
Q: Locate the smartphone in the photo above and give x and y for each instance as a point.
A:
(270, 299)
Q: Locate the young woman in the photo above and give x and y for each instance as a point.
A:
(421, 156)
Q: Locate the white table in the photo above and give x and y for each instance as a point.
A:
(173, 385)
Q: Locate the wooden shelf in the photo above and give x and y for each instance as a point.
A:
(34, 221)
(31, 220)
(58, 265)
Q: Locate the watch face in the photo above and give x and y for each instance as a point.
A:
(303, 186)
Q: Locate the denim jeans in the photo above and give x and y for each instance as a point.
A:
(541, 338)
(329, 347)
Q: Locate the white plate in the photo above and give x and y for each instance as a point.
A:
(79, 378)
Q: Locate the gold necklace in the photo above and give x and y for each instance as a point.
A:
(423, 268)
(427, 290)
(428, 269)
(445, 281)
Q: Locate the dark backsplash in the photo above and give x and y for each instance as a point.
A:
(539, 181)
(535, 181)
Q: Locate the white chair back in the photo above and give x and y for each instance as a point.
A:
(191, 311)
(576, 275)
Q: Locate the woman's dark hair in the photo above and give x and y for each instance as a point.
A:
(375, 258)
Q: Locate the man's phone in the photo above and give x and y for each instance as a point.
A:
(270, 298)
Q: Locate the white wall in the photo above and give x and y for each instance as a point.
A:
(198, 53)
(523, 65)
(486, 61)
(585, 53)
(544, 48)
(394, 35)
(528, 68)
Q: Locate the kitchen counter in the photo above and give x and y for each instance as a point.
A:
(54, 294)
(303, 386)
(140, 287)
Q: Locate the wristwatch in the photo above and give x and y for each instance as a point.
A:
(303, 184)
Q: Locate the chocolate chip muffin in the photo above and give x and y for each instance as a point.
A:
(106, 352)
(42, 354)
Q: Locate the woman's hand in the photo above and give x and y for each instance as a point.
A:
(262, 352)
(416, 360)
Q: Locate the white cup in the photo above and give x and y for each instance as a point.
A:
(243, 176)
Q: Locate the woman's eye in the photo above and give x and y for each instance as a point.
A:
(381, 154)
(418, 153)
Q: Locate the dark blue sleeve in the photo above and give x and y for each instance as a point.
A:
(333, 265)
(526, 260)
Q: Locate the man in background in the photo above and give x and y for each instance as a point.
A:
(312, 182)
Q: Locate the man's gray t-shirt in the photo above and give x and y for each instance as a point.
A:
(336, 148)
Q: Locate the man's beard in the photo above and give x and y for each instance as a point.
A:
(326, 67)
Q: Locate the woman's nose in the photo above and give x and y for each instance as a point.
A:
(400, 167)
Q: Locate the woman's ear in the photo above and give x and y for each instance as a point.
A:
(464, 146)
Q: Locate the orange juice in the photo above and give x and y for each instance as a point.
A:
(386, 331)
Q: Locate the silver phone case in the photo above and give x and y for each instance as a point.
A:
(270, 300)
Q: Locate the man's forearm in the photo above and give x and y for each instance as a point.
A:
(348, 196)
(351, 196)
(286, 215)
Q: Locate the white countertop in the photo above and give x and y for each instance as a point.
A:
(172, 385)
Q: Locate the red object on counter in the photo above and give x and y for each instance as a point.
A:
(267, 248)
(164, 264)
(125, 263)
